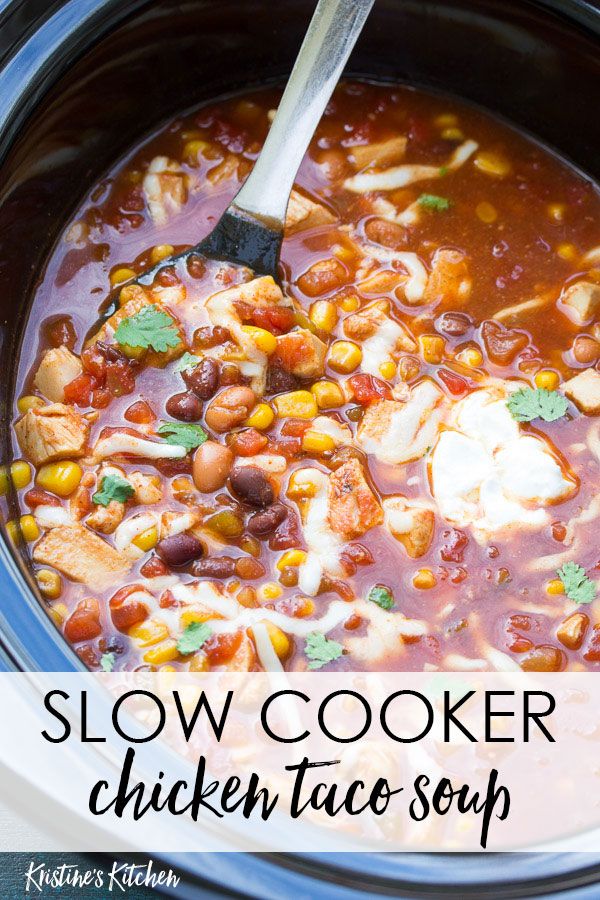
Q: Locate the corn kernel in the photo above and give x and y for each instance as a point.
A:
(180, 485)
(291, 558)
(305, 607)
(344, 356)
(29, 401)
(270, 591)
(424, 580)
(59, 477)
(164, 653)
(567, 252)
(349, 303)
(279, 639)
(328, 394)
(199, 663)
(387, 369)
(192, 150)
(120, 275)
(547, 379)
(263, 339)
(446, 120)
(296, 404)
(49, 583)
(168, 669)
(148, 633)
(29, 528)
(160, 252)
(492, 164)
(432, 348)
(132, 352)
(452, 134)
(324, 314)
(555, 586)
(20, 472)
(14, 532)
(486, 212)
(58, 613)
(345, 254)
(226, 523)
(189, 616)
(300, 487)
(147, 539)
(470, 356)
(556, 211)
(316, 442)
(261, 417)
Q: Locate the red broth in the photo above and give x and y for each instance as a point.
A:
(406, 292)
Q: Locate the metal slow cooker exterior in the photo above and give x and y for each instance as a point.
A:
(80, 81)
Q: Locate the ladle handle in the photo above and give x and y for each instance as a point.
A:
(331, 35)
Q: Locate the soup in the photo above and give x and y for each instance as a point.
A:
(388, 461)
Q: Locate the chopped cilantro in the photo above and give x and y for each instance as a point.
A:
(578, 586)
(432, 201)
(188, 436)
(443, 170)
(188, 361)
(112, 488)
(107, 662)
(193, 637)
(382, 596)
(537, 403)
(320, 650)
(149, 327)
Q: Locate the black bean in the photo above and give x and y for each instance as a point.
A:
(251, 484)
(264, 523)
(279, 380)
(179, 549)
(214, 567)
(185, 406)
(203, 379)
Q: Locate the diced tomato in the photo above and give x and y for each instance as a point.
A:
(221, 647)
(592, 652)
(456, 384)
(354, 622)
(167, 600)
(502, 344)
(37, 497)
(126, 612)
(84, 623)
(93, 361)
(140, 413)
(154, 567)
(288, 447)
(294, 427)
(80, 390)
(359, 554)
(287, 535)
(277, 319)
(120, 379)
(453, 550)
(367, 389)
(248, 442)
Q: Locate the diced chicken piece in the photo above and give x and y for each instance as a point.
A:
(410, 173)
(52, 432)
(106, 518)
(302, 353)
(136, 297)
(581, 301)
(80, 503)
(584, 391)
(398, 432)
(58, 367)
(416, 281)
(304, 213)
(324, 544)
(147, 488)
(174, 522)
(82, 556)
(411, 523)
(519, 311)
(122, 442)
(449, 278)
(226, 169)
(339, 432)
(353, 507)
(165, 188)
(379, 334)
(383, 153)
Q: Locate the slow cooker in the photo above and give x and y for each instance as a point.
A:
(80, 82)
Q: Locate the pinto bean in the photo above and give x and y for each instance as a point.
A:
(179, 549)
(184, 406)
(126, 611)
(230, 407)
(212, 462)
(203, 379)
(586, 349)
(502, 344)
(84, 622)
(251, 484)
(214, 567)
(264, 523)
(454, 324)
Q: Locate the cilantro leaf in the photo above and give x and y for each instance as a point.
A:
(578, 586)
(537, 403)
(186, 362)
(320, 650)
(193, 637)
(381, 596)
(443, 170)
(188, 436)
(107, 662)
(112, 487)
(432, 201)
(149, 327)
